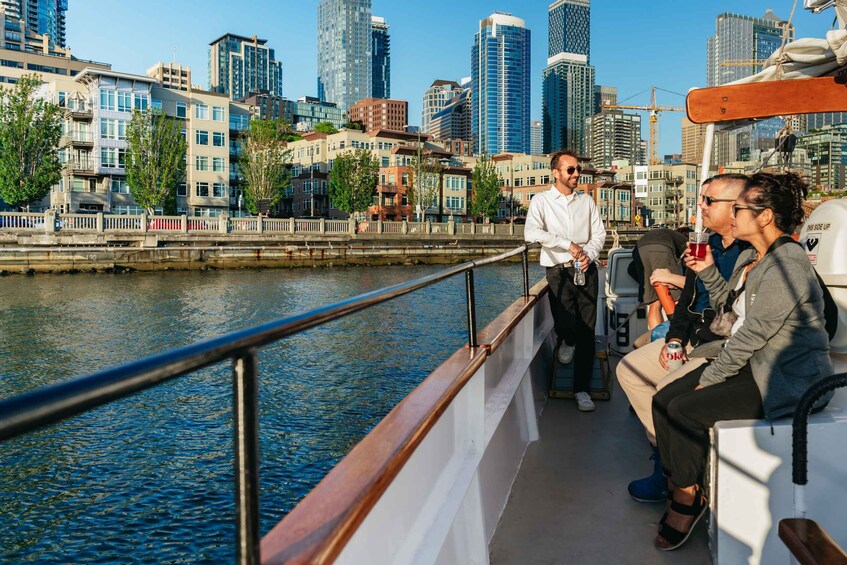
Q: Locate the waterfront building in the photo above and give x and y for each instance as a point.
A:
(381, 56)
(500, 76)
(569, 24)
(738, 50)
(604, 96)
(567, 99)
(453, 122)
(303, 114)
(435, 98)
(240, 66)
(380, 113)
(536, 146)
(171, 75)
(345, 65)
(664, 193)
(613, 135)
(44, 17)
(827, 152)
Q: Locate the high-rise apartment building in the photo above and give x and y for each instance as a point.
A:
(568, 79)
(345, 65)
(567, 99)
(171, 75)
(569, 23)
(453, 122)
(738, 40)
(380, 113)
(381, 57)
(693, 138)
(500, 77)
(603, 96)
(240, 66)
(45, 17)
(536, 144)
(827, 151)
(613, 135)
(435, 98)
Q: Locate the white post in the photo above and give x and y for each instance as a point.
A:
(704, 172)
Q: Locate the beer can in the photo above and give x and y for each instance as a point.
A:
(674, 355)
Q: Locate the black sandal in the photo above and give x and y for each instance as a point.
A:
(674, 536)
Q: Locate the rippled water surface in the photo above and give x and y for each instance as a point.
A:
(149, 478)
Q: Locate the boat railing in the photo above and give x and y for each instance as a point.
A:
(29, 411)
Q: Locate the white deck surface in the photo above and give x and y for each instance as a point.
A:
(569, 503)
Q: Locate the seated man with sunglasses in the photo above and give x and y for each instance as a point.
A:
(644, 371)
(568, 226)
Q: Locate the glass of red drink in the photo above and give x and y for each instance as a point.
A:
(697, 244)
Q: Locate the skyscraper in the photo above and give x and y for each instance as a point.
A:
(435, 98)
(46, 17)
(240, 66)
(739, 39)
(613, 135)
(381, 55)
(604, 95)
(569, 22)
(344, 51)
(500, 91)
(536, 145)
(568, 80)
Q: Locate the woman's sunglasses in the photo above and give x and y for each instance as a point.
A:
(737, 207)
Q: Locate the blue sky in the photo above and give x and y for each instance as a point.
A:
(634, 43)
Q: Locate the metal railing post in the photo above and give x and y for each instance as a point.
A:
(525, 264)
(471, 308)
(246, 450)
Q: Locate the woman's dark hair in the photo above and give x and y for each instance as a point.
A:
(783, 193)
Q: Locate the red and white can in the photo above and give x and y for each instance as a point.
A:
(674, 355)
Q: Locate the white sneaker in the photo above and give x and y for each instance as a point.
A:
(584, 402)
(565, 353)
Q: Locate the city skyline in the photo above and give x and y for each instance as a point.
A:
(429, 41)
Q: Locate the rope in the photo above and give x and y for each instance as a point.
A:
(779, 71)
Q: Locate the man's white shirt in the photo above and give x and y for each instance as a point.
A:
(555, 220)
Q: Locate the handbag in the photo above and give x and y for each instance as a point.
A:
(724, 320)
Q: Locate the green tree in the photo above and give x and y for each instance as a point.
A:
(352, 182)
(30, 130)
(349, 124)
(155, 161)
(326, 127)
(486, 194)
(264, 162)
(422, 187)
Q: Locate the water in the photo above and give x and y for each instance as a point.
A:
(149, 478)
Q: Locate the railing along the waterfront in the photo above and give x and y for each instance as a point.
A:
(30, 411)
(50, 222)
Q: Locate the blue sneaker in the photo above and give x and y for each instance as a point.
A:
(653, 488)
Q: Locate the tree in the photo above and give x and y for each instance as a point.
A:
(486, 194)
(350, 124)
(155, 161)
(264, 162)
(352, 182)
(30, 130)
(422, 188)
(326, 127)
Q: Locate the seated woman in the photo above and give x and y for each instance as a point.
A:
(777, 348)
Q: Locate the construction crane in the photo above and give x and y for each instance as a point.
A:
(654, 110)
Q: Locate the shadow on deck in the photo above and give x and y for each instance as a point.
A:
(569, 503)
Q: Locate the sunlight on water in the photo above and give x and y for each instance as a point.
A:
(149, 478)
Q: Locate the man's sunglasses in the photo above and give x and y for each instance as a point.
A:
(570, 170)
(709, 200)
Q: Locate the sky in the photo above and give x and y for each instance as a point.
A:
(635, 44)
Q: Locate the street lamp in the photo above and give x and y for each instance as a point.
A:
(444, 163)
(418, 208)
(240, 201)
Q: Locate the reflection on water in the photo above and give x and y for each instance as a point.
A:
(149, 478)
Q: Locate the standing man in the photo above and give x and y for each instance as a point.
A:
(644, 371)
(571, 234)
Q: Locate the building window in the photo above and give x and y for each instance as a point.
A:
(156, 103)
(124, 101)
(218, 164)
(107, 99)
(120, 186)
(182, 189)
(108, 157)
(181, 110)
(201, 137)
(121, 158)
(219, 190)
(218, 139)
(107, 129)
(140, 102)
(201, 111)
(201, 163)
(202, 189)
(218, 113)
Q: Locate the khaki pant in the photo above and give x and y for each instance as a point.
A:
(641, 375)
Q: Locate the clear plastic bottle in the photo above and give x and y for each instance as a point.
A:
(578, 275)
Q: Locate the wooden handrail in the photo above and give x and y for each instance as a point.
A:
(809, 543)
(319, 527)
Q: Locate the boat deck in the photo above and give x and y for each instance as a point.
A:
(569, 503)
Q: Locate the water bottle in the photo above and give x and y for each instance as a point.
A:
(578, 275)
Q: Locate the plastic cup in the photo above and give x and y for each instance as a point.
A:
(697, 244)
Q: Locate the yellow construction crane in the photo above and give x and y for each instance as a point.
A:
(654, 110)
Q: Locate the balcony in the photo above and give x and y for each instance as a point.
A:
(81, 166)
(82, 139)
(387, 188)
